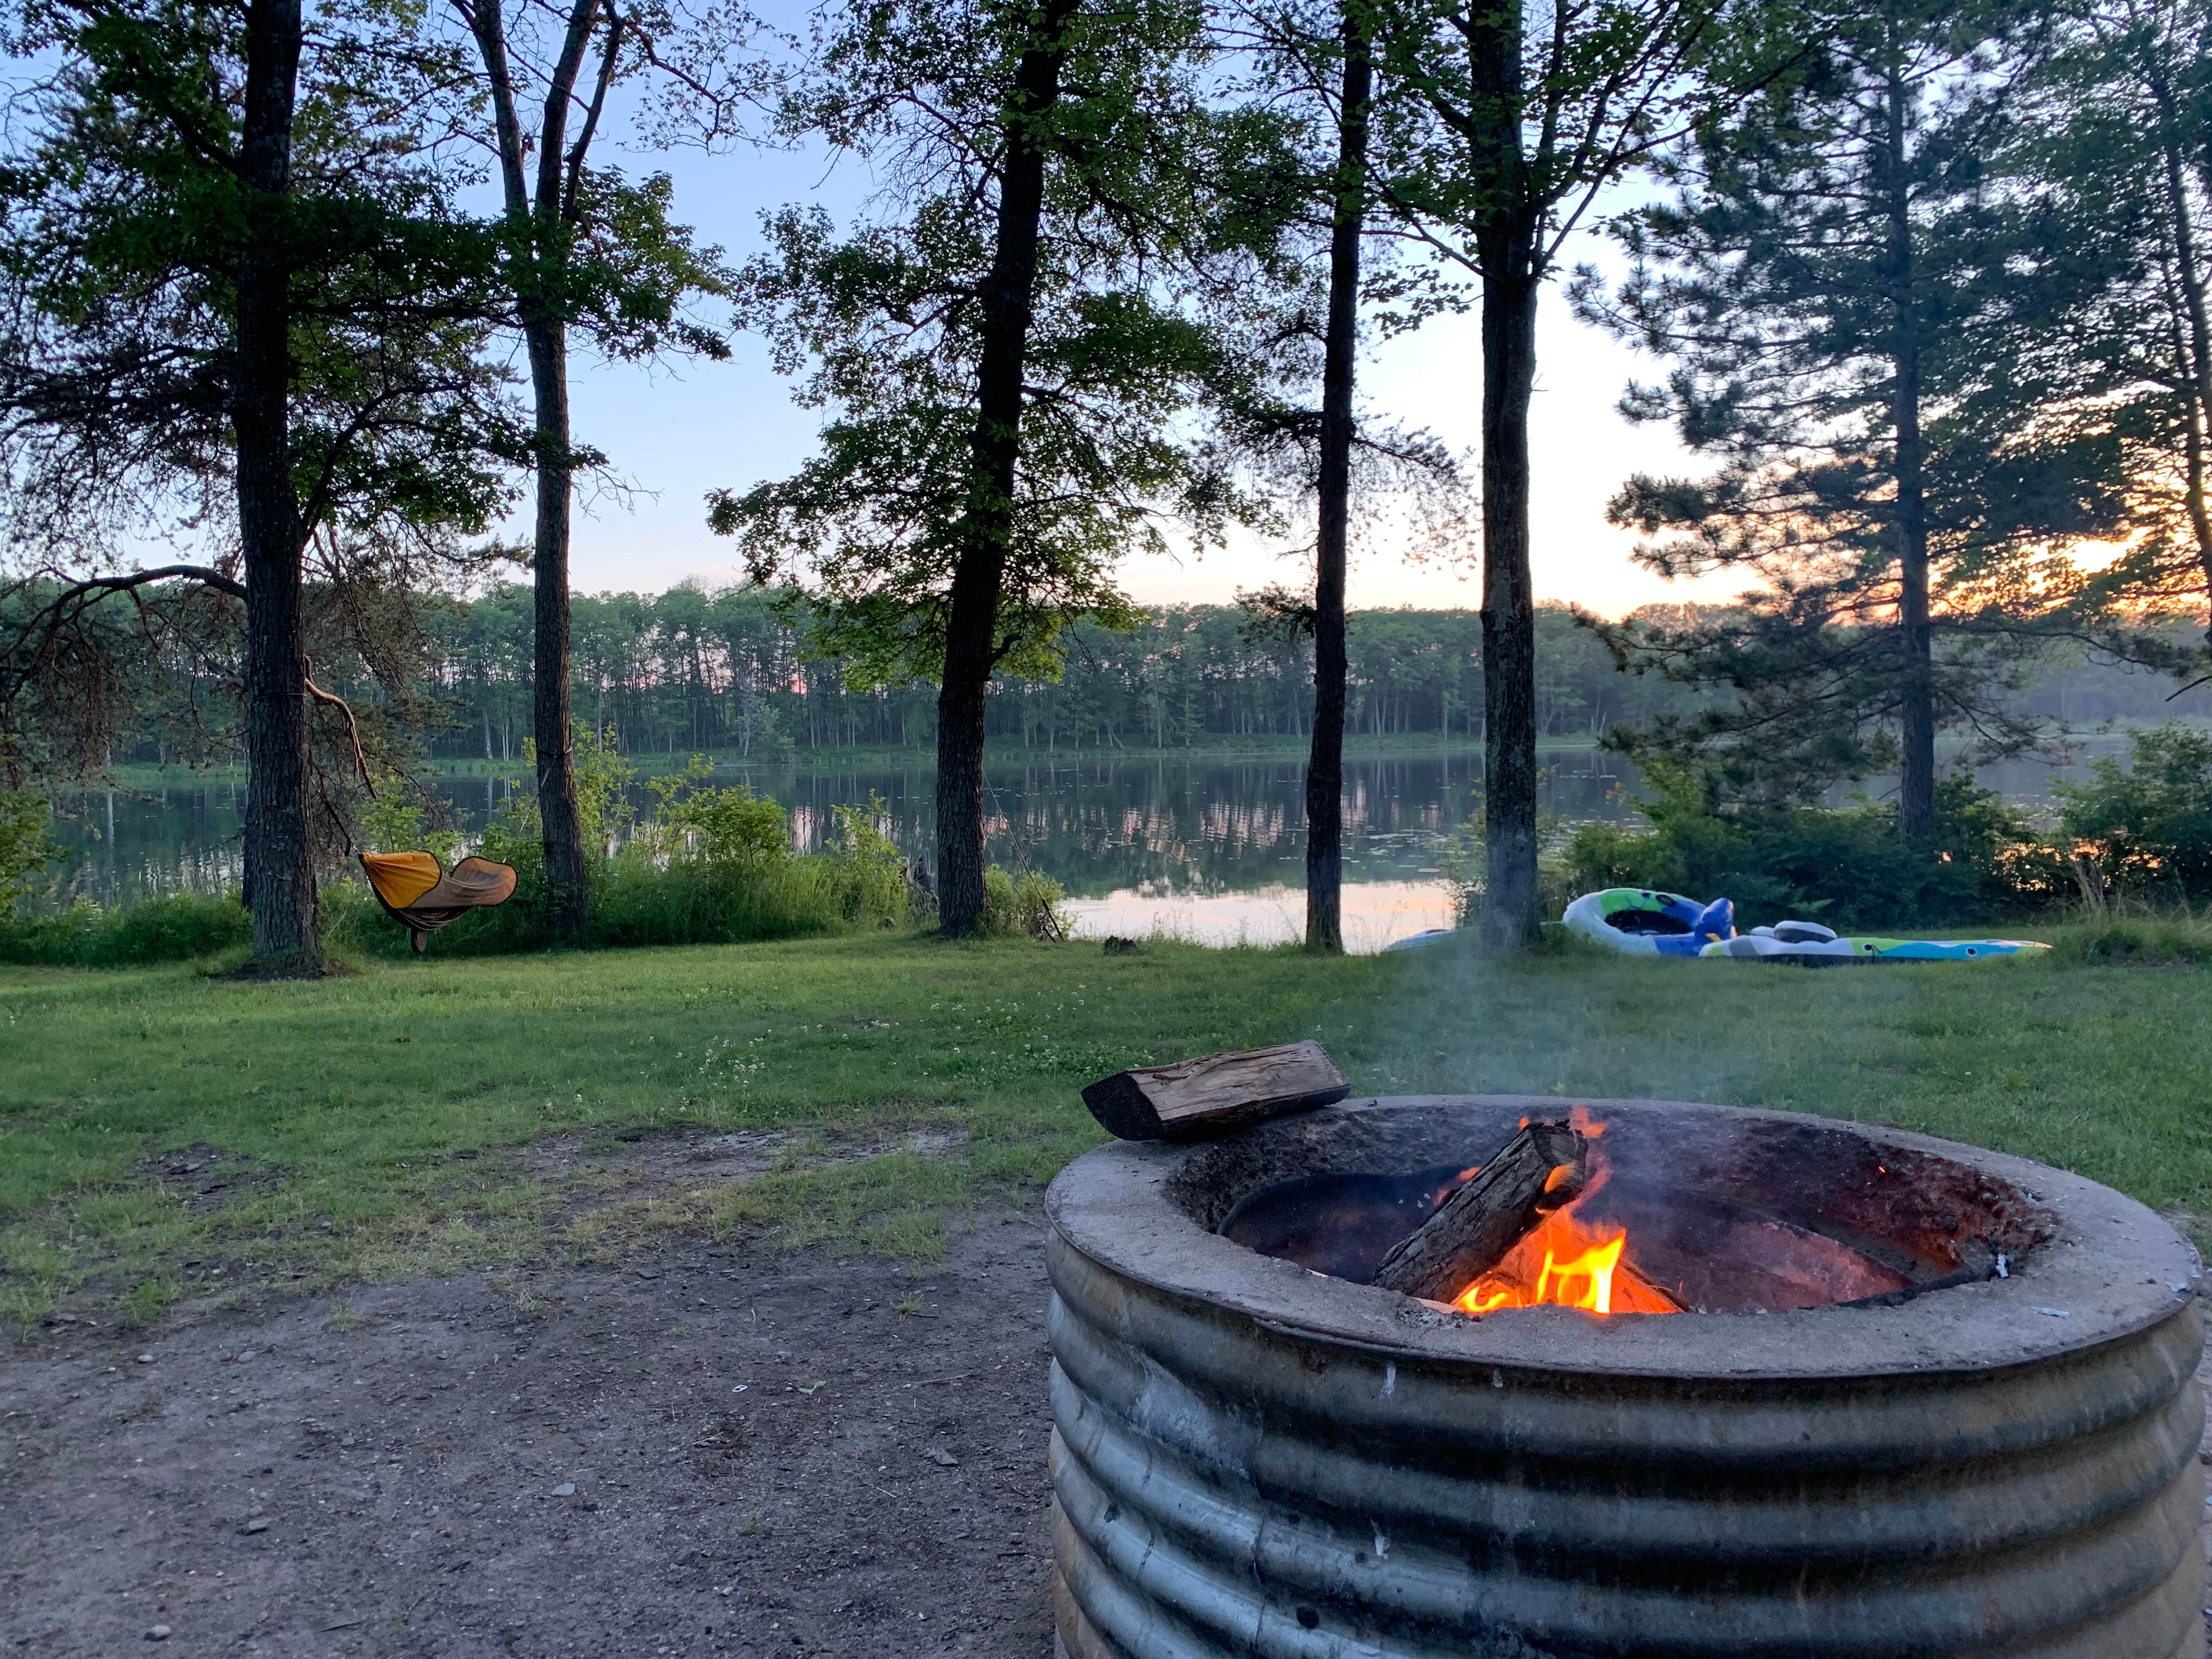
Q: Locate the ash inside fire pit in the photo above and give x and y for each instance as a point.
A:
(1769, 1218)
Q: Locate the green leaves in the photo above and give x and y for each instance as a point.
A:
(127, 217)
(2147, 827)
(2106, 162)
(25, 847)
(1850, 313)
(886, 323)
(627, 274)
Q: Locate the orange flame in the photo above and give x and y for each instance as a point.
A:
(1557, 1264)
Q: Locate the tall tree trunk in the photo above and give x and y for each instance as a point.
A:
(2197, 424)
(1325, 769)
(1509, 611)
(561, 824)
(986, 532)
(1506, 237)
(280, 875)
(543, 229)
(1915, 792)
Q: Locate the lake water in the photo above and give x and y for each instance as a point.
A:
(1208, 850)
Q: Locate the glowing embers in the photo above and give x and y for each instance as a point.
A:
(1557, 1264)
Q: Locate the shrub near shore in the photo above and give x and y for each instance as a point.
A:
(2135, 838)
(704, 866)
(175, 928)
(1849, 868)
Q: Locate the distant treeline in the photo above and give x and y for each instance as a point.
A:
(691, 670)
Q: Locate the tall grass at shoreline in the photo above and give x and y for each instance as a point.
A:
(707, 864)
(176, 927)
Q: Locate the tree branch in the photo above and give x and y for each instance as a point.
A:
(352, 726)
(197, 573)
(581, 147)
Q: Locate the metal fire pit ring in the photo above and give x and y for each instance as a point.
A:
(1251, 1459)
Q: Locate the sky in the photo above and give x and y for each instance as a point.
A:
(675, 434)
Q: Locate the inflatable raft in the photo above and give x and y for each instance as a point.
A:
(1642, 921)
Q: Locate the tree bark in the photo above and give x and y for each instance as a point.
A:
(280, 875)
(567, 870)
(1507, 226)
(2196, 424)
(1510, 900)
(2195, 358)
(1325, 768)
(986, 531)
(1215, 1092)
(1916, 791)
(560, 819)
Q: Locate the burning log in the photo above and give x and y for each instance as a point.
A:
(1540, 1168)
(1203, 1097)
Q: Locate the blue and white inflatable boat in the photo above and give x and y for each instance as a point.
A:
(1642, 921)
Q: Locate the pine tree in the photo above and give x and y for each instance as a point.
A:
(2109, 154)
(1833, 283)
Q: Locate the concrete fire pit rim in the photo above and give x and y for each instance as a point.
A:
(2111, 1272)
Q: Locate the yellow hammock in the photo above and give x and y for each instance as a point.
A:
(422, 898)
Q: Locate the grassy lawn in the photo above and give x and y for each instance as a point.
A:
(383, 1125)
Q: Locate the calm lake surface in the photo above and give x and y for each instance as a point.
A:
(1209, 850)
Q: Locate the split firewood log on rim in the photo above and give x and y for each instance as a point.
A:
(1194, 1098)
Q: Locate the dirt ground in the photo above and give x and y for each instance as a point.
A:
(729, 1449)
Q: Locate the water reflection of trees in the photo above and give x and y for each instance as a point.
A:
(1154, 826)
(126, 846)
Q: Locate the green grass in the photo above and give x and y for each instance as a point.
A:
(379, 1126)
(2157, 937)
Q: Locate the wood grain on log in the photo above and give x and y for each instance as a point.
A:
(1472, 1230)
(1203, 1097)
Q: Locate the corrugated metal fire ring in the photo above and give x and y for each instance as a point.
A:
(1249, 1459)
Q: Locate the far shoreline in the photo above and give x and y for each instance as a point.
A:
(660, 762)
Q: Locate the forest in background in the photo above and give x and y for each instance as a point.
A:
(692, 670)
(1923, 287)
